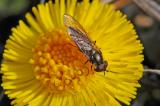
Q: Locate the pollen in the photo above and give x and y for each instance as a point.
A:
(59, 64)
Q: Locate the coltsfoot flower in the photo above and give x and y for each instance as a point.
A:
(42, 66)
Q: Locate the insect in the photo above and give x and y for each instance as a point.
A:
(86, 46)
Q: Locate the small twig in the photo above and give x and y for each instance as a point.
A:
(150, 7)
(42, 1)
(156, 71)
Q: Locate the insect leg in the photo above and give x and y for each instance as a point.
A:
(91, 66)
(86, 62)
(71, 44)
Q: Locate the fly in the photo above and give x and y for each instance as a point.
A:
(86, 46)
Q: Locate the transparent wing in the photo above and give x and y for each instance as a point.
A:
(73, 26)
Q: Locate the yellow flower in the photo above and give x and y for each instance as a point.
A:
(43, 67)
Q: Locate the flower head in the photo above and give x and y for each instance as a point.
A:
(43, 66)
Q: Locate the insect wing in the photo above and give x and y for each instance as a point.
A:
(69, 21)
(83, 46)
(78, 34)
(73, 26)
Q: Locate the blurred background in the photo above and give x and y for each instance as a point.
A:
(144, 14)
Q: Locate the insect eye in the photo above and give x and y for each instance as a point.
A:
(98, 57)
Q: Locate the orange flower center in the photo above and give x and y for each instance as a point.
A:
(59, 64)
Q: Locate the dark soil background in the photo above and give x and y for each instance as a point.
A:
(148, 29)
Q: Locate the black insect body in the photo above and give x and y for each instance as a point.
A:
(85, 45)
